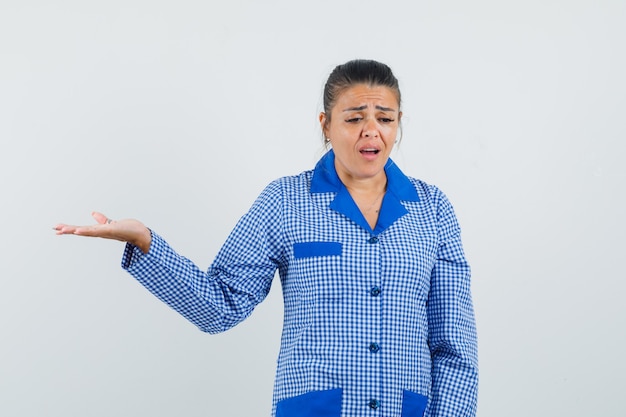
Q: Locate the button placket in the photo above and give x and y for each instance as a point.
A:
(373, 348)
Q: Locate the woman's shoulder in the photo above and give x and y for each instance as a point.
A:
(437, 202)
(427, 191)
(285, 190)
(291, 184)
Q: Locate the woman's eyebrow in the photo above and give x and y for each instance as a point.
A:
(365, 107)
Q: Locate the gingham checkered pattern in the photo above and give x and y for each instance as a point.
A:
(379, 321)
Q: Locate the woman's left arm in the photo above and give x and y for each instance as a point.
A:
(451, 324)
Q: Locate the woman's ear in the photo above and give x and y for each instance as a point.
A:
(323, 120)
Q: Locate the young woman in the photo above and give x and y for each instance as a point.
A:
(378, 313)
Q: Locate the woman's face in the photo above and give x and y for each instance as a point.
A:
(362, 130)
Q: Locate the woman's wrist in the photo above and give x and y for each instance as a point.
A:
(144, 240)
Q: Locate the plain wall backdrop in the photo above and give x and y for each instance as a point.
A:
(179, 113)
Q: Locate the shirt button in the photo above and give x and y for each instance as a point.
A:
(374, 404)
(375, 291)
(374, 347)
(373, 239)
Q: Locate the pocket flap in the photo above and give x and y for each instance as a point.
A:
(413, 404)
(325, 403)
(309, 249)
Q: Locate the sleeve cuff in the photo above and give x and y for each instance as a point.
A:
(132, 254)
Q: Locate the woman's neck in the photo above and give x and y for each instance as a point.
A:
(368, 195)
(364, 186)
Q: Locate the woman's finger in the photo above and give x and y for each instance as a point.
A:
(100, 218)
(99, 229)
(64, 229)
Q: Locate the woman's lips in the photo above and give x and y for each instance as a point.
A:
(370, 153)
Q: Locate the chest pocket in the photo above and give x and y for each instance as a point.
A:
(316, 268)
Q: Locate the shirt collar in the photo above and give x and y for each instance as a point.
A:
(399, 188)
(326, 180)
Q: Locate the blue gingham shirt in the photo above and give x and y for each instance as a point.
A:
(378, 323)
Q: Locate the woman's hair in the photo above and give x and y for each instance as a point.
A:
(358, 71)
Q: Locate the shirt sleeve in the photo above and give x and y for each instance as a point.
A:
(239, 278)
(451, 325)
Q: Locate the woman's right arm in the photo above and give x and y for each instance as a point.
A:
(215, 300)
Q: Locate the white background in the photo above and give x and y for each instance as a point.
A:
(179, 113)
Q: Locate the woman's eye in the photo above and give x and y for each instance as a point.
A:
(385, 120)
(354, 120)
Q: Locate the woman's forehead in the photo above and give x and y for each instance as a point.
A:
(362, 96)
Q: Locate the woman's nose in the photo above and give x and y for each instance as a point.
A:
(370, 129)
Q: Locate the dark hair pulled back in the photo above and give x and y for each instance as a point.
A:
(358, 71)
